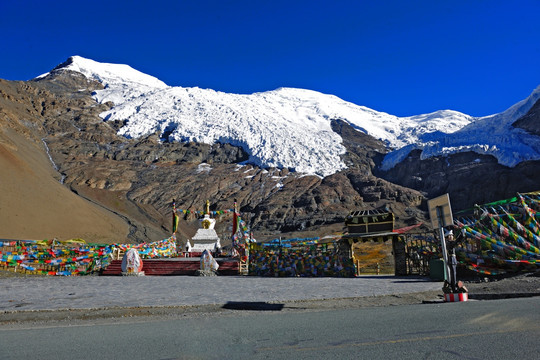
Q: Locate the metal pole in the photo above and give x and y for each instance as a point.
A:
(445, 256)
(443, 242)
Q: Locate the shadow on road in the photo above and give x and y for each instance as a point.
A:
(252, 305)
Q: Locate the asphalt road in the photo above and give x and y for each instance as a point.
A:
(498, 329)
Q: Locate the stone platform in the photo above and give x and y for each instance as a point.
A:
(175, 266)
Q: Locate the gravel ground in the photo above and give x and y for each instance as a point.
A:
(519, 285)
(44, 299)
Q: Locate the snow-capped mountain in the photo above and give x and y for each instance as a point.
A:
(492, 135)
(291, 128)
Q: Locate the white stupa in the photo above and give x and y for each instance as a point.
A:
(206, 237)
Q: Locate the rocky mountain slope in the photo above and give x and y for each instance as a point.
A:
(121, 187)
(468, 177)
(135, 180)
(33, 202)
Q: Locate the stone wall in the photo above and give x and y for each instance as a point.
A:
(307, 260)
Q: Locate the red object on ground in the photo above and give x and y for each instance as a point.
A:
(407, 228)
(456, 297)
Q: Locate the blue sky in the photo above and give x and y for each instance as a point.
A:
(401, 57)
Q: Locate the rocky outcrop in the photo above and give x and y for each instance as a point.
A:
(531, 121)
(468, 178)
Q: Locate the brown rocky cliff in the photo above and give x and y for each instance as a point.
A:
(33, 202)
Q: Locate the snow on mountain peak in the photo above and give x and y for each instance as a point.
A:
(126, 81)
(286, 127)
(112, 73)
(491, 135)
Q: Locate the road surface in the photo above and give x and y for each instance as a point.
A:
(497, 329)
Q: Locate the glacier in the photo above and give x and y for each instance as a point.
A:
(291, 128)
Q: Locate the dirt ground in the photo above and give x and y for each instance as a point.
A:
(513, 285)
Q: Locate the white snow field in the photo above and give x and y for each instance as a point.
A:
(290, 128)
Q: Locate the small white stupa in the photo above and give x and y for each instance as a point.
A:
(206, 237)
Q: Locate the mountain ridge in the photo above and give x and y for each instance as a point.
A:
(243, 119)
(136, 178)
(263, 123)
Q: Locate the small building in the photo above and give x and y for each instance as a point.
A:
(374, 246)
